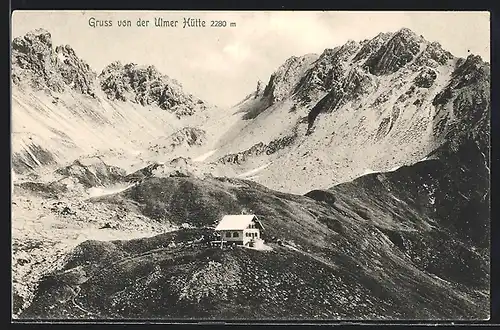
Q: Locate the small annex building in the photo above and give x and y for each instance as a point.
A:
(240, 229)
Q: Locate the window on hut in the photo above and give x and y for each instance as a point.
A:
(228, 234)
(235, 234)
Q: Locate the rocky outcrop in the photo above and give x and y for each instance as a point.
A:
(178, 167)
(184, 138)
(256, 94)
(328, 72)
(258, 149)
(469, 94)
(240, 157)
(145, 85)
(191, 136)
(285, 79)
(425, 78)
(356, 84)
(75, 72)
(141, 174)
(35, 61)
(370, 47)
(31, 157)
(259, 90)
(401, 49)
(92, 172)
(434, 55)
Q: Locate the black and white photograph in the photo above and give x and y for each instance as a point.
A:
(250, 165)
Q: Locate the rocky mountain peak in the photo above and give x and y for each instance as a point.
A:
(35, 40)
(66, 49)
(469, 71)
(434, 55)
(398, 51)
(284, 80)
(405, 32)
(145, 85)
(113, 66)
(35, 61)
(76, 73)
(396, 91)
(371, 46)
(471, 64)
(347, 50)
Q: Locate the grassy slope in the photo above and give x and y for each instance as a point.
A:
(349, 262)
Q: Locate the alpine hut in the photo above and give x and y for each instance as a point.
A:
(239, 229)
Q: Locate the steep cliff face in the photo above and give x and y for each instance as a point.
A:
(397, 52)
(284, 80)
(282, 85)
(327, 73)
(36, 62)
(365, 106)
(372, 46)
(354, 85)
(463, 106)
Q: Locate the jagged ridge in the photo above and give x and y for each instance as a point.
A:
(384, 102)
(146, 85)
(36, 60)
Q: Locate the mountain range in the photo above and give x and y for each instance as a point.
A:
(362, 107)
(369, 163)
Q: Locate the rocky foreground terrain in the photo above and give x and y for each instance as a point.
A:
(368, 166)
(410, 244)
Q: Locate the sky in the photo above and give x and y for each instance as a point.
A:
(223, 64)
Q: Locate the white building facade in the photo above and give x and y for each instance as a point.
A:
(240, 229)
